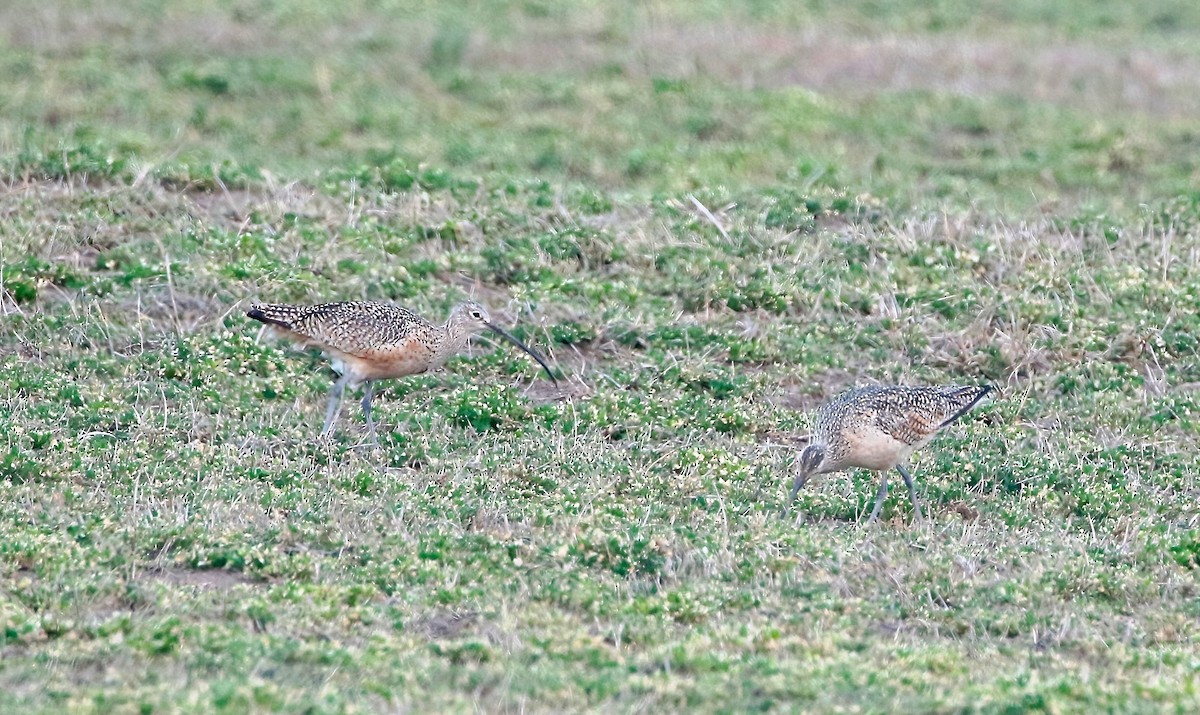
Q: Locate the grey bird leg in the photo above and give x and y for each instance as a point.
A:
(883, 489)
(366, 405)
(335, 401)
(912, 490)
(800, 480)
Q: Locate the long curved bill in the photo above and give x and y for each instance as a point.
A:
(504, 334)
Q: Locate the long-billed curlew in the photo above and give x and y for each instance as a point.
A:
(879, 428)
(367, 341)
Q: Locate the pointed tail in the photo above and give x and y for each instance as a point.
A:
(281, 315)
(966, 398)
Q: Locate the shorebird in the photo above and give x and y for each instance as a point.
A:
(367, 341)
(879, 428)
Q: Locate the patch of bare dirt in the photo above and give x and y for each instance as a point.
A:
(20, 349)
(203, 579)
(811, 394)
(228, 207)
(444, 625)
(785, 439)
(963, 509)
(544, 392)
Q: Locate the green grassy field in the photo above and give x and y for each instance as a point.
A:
(899, 192)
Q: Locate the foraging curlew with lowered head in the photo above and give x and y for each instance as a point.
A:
(367, 341)
(879, 428)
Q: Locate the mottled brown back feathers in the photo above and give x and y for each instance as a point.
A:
(910, 415)
(355, 327)
(879, 428)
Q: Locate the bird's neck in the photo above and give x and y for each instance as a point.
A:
(447, 342)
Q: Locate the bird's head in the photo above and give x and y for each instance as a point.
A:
(810, 464)
(470, 318)
(811, 458)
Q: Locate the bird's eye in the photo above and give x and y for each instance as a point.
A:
(476, 315)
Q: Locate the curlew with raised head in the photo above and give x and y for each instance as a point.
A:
(367, 341)
(879, 428)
